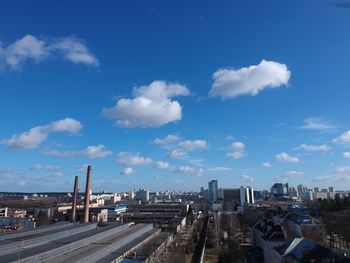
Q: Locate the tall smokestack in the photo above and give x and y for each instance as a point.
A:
(87, 195)
(75, 197)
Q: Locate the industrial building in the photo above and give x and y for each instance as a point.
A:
(68, 242)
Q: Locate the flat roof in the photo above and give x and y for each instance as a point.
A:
(54, 244)
(94, 247)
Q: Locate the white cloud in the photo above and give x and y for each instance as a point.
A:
(316, 123)
(190, 170)
(229, 83)
(66, 125)
(56, 174)
(346, 154)
(74, 50)
(28, 47)
(190, 146)
(162, 165)
(96, 151)
(220, 169)
(237, 146)
(37, 135)
(285, 157)
(238, 150)
(187, 146)
(247, 178)
(289, 175)
(343, 139)
(314, 148)
(235, 155)
(266, 165)
(132, 159)
(127, 171)
(167, 140)
(45, 167)
(340, 174)
(92, 152)
(151, 107)
(176, 153)
(16, 54)
(196, 162)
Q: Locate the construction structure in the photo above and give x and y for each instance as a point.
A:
(87, 194)
(75, 197)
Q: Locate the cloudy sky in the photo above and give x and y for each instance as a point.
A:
(172, 94)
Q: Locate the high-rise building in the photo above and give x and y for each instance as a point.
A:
(331, 189)
(293, 193)
(324, 190)
(301, 190)
(247, 195)
(142, 195)
(280, 190)
(213, 190)
(204, 193)
(316, 190)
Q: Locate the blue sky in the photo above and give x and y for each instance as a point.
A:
(246, 92)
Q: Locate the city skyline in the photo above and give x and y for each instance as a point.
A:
(172, 96)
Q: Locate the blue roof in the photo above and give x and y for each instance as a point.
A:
(126, 260)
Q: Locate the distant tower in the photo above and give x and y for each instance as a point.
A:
(75, 196)
(87, 194)
(213, 190)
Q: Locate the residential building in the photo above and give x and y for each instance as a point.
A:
(247, 195)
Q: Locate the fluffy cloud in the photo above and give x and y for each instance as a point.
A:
(184, 147)
(235, 155)
(167, 140)
(176, 153)
(132, 159)
(266, 165)
(316, 123)
(229, 83)
(36, 49)
(237, 146)
(343, 139)
(346, 154)
(37, 135)
(247, 178)
(66, 125)
(92, 152)
(74, 50)
(288, 175)
(237, 149)
(189, 170)
(162, 165)
(127, 171)
(314, 148)
(151, 107)
(190, 146)
(285, 157)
